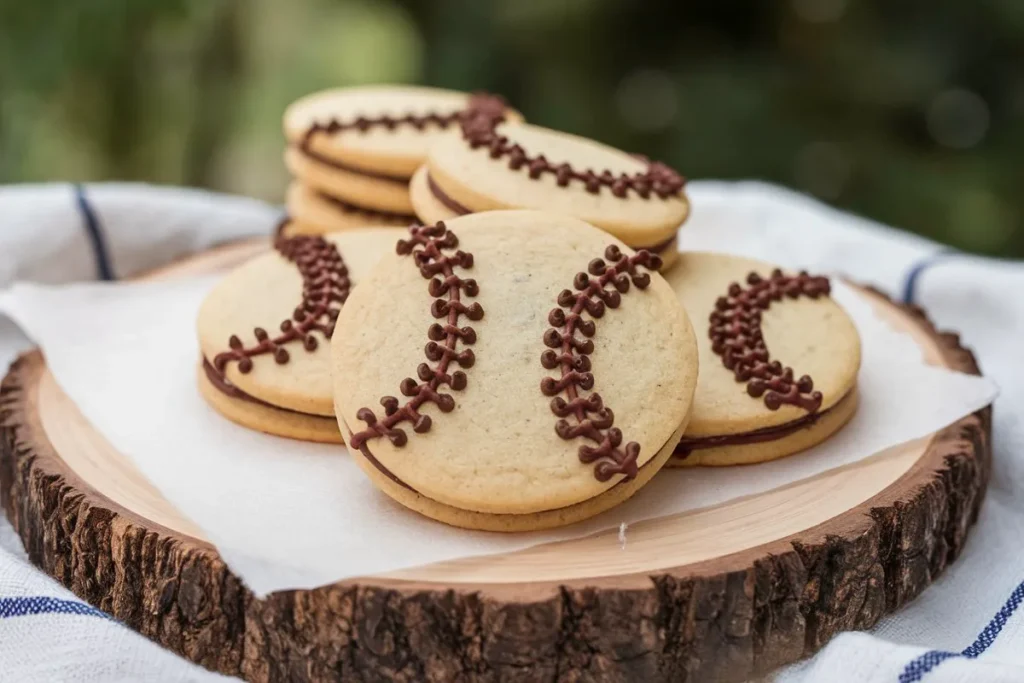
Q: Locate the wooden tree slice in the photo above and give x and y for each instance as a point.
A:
(719, 594)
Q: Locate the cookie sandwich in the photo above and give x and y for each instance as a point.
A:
(512, 370)
(353, 150)
(316, 213)
(264, 332)
(493, 165)
(778, 360)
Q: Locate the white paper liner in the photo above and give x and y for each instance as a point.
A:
(287, 514)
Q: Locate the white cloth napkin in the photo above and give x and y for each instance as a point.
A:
(968, 626)
(47, 634)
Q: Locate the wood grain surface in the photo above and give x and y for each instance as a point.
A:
(719, 594)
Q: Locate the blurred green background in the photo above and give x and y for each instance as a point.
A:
(910, 112)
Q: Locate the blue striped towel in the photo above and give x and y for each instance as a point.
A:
(63, 233)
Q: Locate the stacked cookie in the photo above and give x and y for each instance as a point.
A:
(494, 164)
(535, 347)
(352, 151)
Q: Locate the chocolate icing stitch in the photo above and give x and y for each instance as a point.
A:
(593, 419)
(325, 287)
(736, 337)
(662, 180)
(426, 245)
(478, 105)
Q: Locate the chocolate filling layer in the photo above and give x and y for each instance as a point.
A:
(688, 446)
(440, 195)
(221, 384)
(390, 475)
(659, 247)
(462, 210)
(383, 470)
(327, 161)
(347, 208)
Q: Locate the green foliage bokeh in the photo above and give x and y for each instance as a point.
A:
(909, 112)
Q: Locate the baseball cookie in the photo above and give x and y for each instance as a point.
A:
(778, 360)
(556, 378)
(493, 165)
(264, 329)
(361, 145)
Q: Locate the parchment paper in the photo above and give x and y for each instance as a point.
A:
(286, 514)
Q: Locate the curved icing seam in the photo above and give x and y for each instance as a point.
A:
(736, 336)
(325, 282)
(438, 268)
(477, 104)
(659, 178)
(594, 420)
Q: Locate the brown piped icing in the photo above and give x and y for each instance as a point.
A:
(325, 287)
(379, 466)
(463, 210)
(427, 245)
(591, 419)
(479, 105)
(736, 337)
(658, 179)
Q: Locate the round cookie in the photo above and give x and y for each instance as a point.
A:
(362, 144)
(502, 166)
(263, 331)
(317, 214)
(778, 360)
(537, 327)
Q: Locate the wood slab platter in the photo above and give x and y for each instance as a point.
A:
(719, 594)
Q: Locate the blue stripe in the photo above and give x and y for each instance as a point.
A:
(916, 669)
(910, 284)
(41, 604)
(95, 233)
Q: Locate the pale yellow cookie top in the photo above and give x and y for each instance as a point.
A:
(497, 450)
(814, 337)
(480, 183)
(264, 292)
(397, 151)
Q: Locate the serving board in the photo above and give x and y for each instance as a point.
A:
(718, 594)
